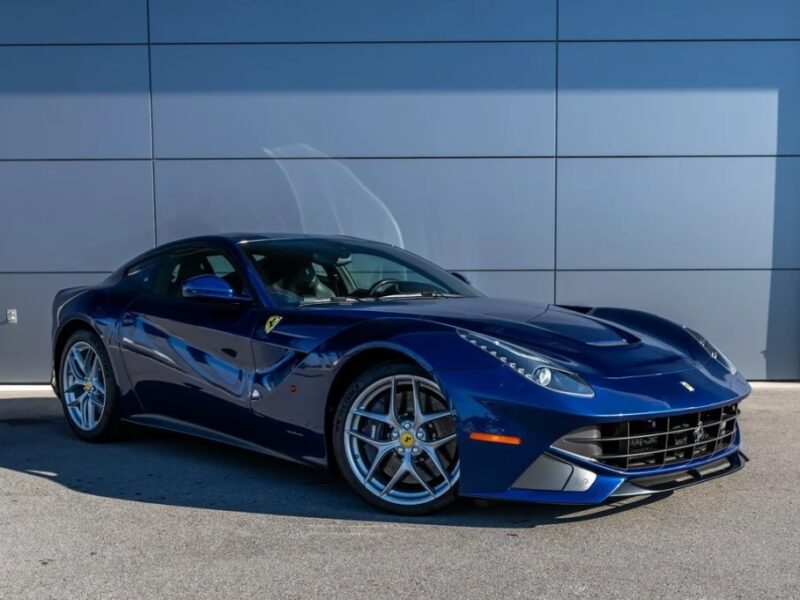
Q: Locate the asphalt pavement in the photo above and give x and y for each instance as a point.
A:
(165, 516)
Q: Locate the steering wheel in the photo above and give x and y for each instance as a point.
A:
(380, 284)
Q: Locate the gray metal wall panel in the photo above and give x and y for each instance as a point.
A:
(678, 213)
(536, 286)
(25, 347)
(93, 215)
(74, 102)
(496, 217)
(678, 19)
(73, 21)
(687, 98)
(462, 213)
(351, 20)
(751, 315)
(347, 100)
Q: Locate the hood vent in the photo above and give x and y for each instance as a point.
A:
(582, 326)
(584, 310)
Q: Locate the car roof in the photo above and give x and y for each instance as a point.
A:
(251, 237)
(236, 238)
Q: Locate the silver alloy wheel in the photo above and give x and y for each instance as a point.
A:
(83, 385)
(400, 440)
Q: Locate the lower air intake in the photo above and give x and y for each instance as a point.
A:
(656, 442)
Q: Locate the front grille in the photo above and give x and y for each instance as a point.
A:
(651, 443)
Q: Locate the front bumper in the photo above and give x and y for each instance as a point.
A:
(657, 484)
(554, 479)
(509, 405)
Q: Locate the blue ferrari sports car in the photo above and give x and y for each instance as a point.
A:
(369, 360)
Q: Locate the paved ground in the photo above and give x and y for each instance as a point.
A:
(164, 516)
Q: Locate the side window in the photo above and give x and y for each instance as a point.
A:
(221, 266)
(294, 278)
(202, 261)
(145, 273)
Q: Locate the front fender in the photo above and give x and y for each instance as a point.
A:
(435, 346)
(294, 411)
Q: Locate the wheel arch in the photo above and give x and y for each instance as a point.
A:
(63, 334)
(354, 365)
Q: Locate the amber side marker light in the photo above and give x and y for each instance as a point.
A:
(495, 438)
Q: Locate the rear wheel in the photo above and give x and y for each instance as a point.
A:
(87, 390)
(395, 440)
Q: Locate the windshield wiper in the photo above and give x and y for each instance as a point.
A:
(418, 295)
(333, 300)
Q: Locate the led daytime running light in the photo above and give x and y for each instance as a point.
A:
(532, 367)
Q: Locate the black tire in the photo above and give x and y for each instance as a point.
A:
(338, 430)
(107, 427)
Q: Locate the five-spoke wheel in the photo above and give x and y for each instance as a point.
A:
(398, 440)
(86, 386)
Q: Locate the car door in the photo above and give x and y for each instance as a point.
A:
(191, 359)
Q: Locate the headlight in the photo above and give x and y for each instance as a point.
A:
(712, 350)
(531, 366)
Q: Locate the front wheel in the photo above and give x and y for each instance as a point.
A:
(87, 390)
(395, 440)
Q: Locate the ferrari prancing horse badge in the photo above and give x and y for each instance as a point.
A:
(272, 323)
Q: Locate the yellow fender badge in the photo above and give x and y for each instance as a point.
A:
(272, 323)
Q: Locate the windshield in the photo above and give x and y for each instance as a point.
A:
(312, 271)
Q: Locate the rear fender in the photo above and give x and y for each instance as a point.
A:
(97, 310)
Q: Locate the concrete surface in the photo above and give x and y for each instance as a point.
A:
(165, 516)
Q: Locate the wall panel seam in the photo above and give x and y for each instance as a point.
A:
(152, 128)
(68, 272)
(360, 157)
(397, 157)
(555, 163)
(675, 40)
(676, 269)
(404, 42)
(280, 43)
(485, 270)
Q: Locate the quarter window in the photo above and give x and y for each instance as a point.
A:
(144, 274)
(184, 265)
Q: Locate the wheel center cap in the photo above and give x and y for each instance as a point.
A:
(87, 387)
(407, 439)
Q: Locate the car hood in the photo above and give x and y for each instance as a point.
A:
(587, 344)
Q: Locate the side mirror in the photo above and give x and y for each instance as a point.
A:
(461, 276)
(211, 287)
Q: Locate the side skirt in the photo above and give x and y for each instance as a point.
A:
(176, 425)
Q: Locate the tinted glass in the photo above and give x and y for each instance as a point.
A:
(302, 271)
(145, 273)
(184, 265)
